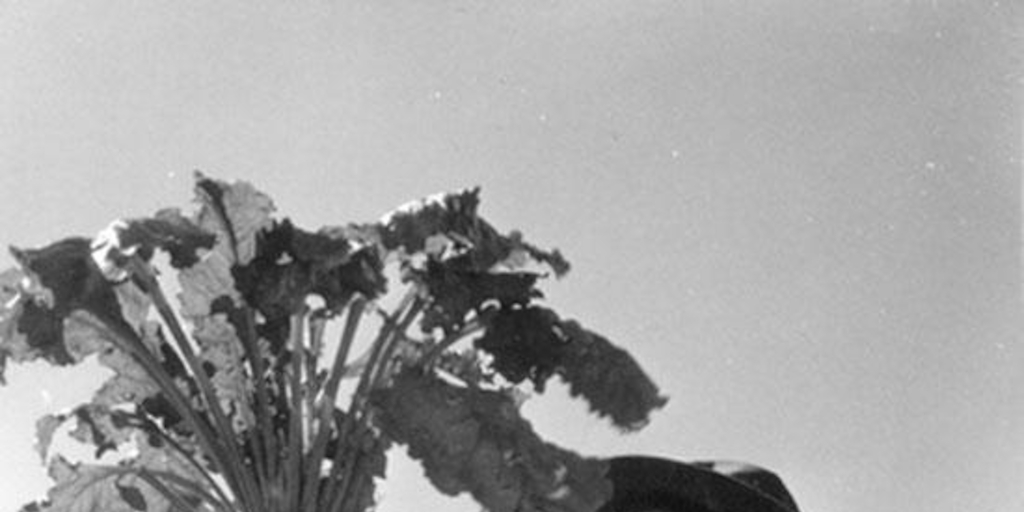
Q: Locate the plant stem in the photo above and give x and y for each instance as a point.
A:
(346, 428)
(236, 464)
(293, 461)
(171, 496)
(326, 404)
(191, 460)
(381, 370)
(472, 327)
(383, 348)
(263, 413)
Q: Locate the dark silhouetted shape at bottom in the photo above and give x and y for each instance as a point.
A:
(650, 484)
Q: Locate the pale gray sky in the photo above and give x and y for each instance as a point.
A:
(803, 217)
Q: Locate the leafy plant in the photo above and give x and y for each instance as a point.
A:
(230, 401)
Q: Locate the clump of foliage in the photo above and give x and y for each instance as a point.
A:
(231, 400)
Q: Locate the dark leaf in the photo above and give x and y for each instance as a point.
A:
(455, 291)
(608, 378)
(167, 230)
(291, 264)
(61, 278)
(527, 343)
(410, 225)
(132, 496)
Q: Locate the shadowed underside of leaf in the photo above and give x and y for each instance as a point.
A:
(608, 378)
(291, 264)
(533, 343)
(525, 343)
(70, 281)
(455, 292)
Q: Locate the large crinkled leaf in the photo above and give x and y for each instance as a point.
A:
(221, 353)
(608, 378)
(527, 343)
(236, 213)
(446, 225)
(472, 440)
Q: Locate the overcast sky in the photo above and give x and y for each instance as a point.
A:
(803, 217)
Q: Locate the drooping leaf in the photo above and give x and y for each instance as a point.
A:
(527, 343)
(72, 282)
(608, 378)
(167, 230)
(236, 213)
(472, 440)
(50, 297)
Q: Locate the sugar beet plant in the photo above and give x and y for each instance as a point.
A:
(247, 394)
